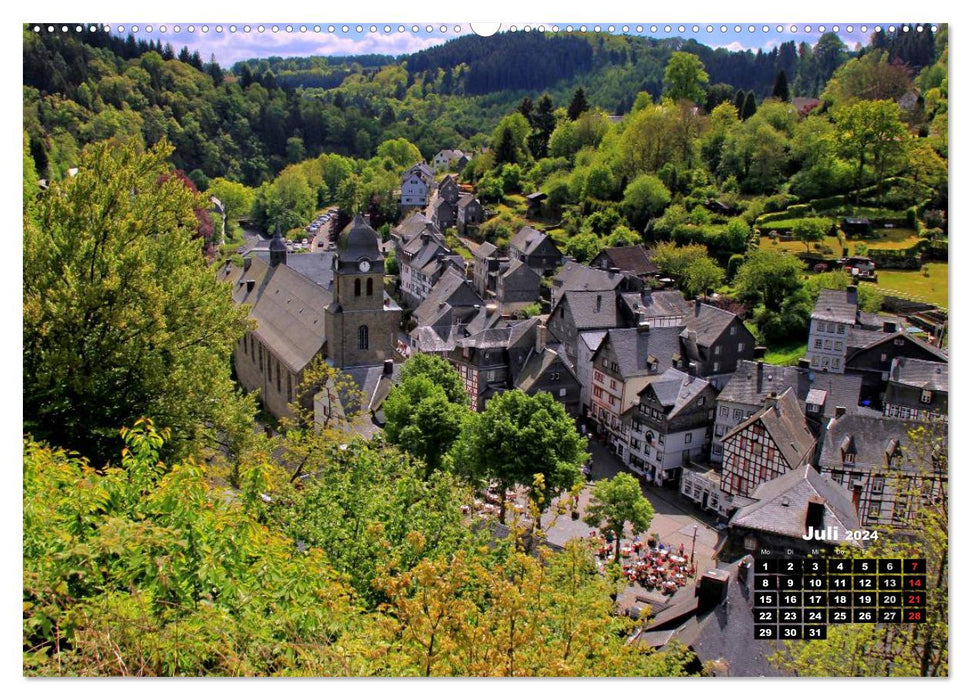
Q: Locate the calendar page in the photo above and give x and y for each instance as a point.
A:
(448, 349)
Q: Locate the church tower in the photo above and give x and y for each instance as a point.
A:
(361, 325)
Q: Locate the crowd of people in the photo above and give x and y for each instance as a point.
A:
(654, 568)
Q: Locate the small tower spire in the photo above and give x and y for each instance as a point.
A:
(278, 248)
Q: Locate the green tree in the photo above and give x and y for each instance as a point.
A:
(702, 275)
(644, 198)
(422, 420)
(122, 318)
(544, 122)
(518, 437)
(871, 134)
(584, 247)
(810, 230)
(685, 78)
(869, 298)
(148, 570)
(616, 502)
(768, 277)
(237, 199)
(578, 105)
(440, 372)
(402, 152)
(780, 89)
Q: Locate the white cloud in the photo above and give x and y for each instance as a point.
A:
(232, 47)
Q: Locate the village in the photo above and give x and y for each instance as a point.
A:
(738, 456)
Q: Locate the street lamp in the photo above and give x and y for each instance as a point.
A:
(693, 537)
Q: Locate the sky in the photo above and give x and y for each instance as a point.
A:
(308, 39)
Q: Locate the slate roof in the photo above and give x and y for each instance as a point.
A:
(358, 240)
(744, 386)
(723, 633)
(657, 304)
(675, 390)
(413, 225)
(574, 277)
(633, 346)
(466, 199)
(289, 314)
(859, 340)
(635, 259)
(451, 289)
(786, 426)
(538, 364)
(781, 504)
(520, 277)
(871, 438)
(919, 374)
(707, 322)
(839, 305)
(528, 240)
(583, 307)
(484, 250)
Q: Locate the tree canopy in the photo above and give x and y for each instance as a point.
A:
(122, 316)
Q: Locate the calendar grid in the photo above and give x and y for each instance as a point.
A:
(799, 598)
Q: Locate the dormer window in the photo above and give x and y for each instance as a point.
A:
(926, 396)
(849, 458)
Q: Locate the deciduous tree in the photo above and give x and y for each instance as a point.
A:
(617, 502)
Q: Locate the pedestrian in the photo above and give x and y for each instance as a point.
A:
(681, 550)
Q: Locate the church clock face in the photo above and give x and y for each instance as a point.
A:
(364, 265)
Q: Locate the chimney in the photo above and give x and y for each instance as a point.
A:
(597, 310)
(540, 338)
(758, 376)
(697, 306)
(250, 285)
(388, 367)
(889, 327)
(803, 363)
(615, 270)
(771, 400)
(712, 589)
(758, 352)
(840, 412)
(815, 510)
(247, 262)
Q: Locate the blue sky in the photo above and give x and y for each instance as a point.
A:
(306, 39)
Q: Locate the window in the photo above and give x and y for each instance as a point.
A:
(687, 438)
(828, 344)
(812, 408)
(554, 376)
(562, 392)
(719, 430)
(723, 411)
(731, 330)
(819, 344)
(836, 363)
(715, 366)
(718, 349)
(613, 384)
(925, 396)
(741, 347)
(878, 485)
(838, 345)
(737, 414)
(825, 362)
(841, 329)
(883, 357)
(830, 327)
(370, 286)
(357, 287)
(873, 512)
(849, 458)
(701, 401)
(362, 339)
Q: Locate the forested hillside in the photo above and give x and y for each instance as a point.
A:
(249, 123)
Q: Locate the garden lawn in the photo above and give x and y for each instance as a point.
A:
(913, 283)
(786, 354)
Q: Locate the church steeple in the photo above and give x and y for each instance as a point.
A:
(278, 249)
(358, 248)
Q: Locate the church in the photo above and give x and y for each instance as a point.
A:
(309, 305)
